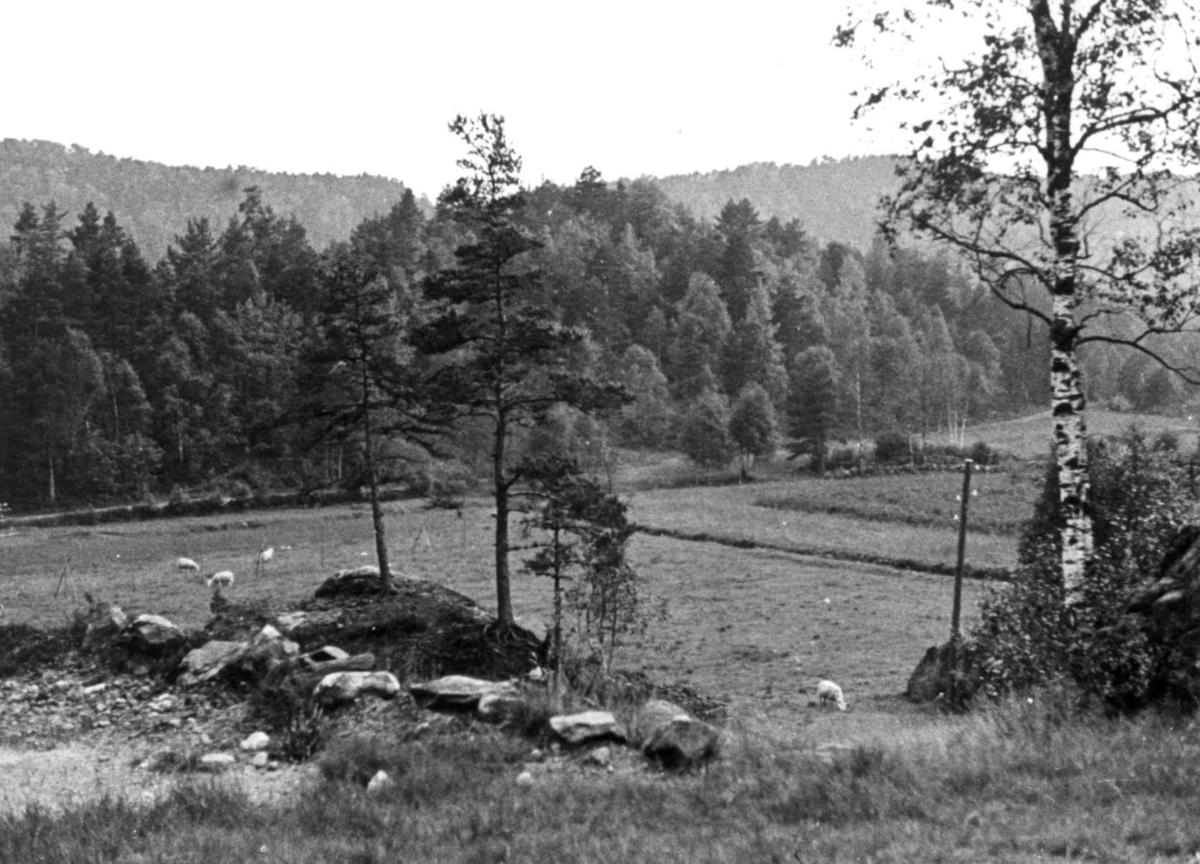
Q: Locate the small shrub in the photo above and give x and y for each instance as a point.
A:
(981, 454)
(300, 724)
(841, 458)
(23, 647)
(891, 448)
(1167, 441)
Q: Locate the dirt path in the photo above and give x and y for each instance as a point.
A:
(78, 773)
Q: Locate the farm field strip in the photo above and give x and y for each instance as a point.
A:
(1001, 502)
(756, 626)
(732, 513)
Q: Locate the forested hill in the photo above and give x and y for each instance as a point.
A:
(834, 200)
(153, 201)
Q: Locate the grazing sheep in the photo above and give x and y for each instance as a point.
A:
(262, 558)
(224, 579)
(187, 564)
(828, 692)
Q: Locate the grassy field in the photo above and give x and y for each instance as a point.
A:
(756, 625)
(1029, 437)
(750, 621)
(1013, 783)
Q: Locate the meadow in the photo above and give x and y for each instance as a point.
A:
(761, 602)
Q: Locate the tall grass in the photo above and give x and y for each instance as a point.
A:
(1024, 780)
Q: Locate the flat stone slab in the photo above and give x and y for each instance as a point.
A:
(588, 726)
(341, 687)
(459, 692)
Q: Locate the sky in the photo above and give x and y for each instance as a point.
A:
(351, 87)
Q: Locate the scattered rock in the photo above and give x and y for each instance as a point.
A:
(379, 783)
(355, 582)
(261, 759)
(1167, 609)
(601, 756)
(588, 726)
(216, 763)
(154, 635)
(327, 654)
(682, 744)
(357, 663)
(104, 621)
(340, 688)
(265, 651)
(206, 662)
(931, 679)
(652, 715)
(499, 707)
(459, 692)
(256, 741)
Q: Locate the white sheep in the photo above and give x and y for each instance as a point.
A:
(830, 693)
(262, 558)
(224, 579)
(187, 564)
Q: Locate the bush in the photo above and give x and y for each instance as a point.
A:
(891, 448)
(1140, 502)
(981, 454)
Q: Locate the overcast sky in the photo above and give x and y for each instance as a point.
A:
(347, 87)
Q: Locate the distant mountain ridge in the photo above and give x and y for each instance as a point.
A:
(153, 202)
(835, 199)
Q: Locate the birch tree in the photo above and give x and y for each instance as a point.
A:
(1041, 129)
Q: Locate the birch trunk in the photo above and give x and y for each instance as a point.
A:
(1056, 49)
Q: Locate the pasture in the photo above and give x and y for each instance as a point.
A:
(1029, 437)
(754, 626)
(750, 621)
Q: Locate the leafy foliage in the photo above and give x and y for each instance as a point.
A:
(704, 431)
(584, 533)
(1142, 498)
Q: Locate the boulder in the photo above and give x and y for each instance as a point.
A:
(652, 715)
(588, 726)
(459, 692)
(499, 706)
(104, 622)
(682, 744)
(931, 679)
(1167, 605)
(358, 581)
(207, 661)
(340, 688)
(300, 623)
(266, 650)
(154, 635)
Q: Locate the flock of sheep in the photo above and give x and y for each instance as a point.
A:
(224, 578)
(828, 693)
